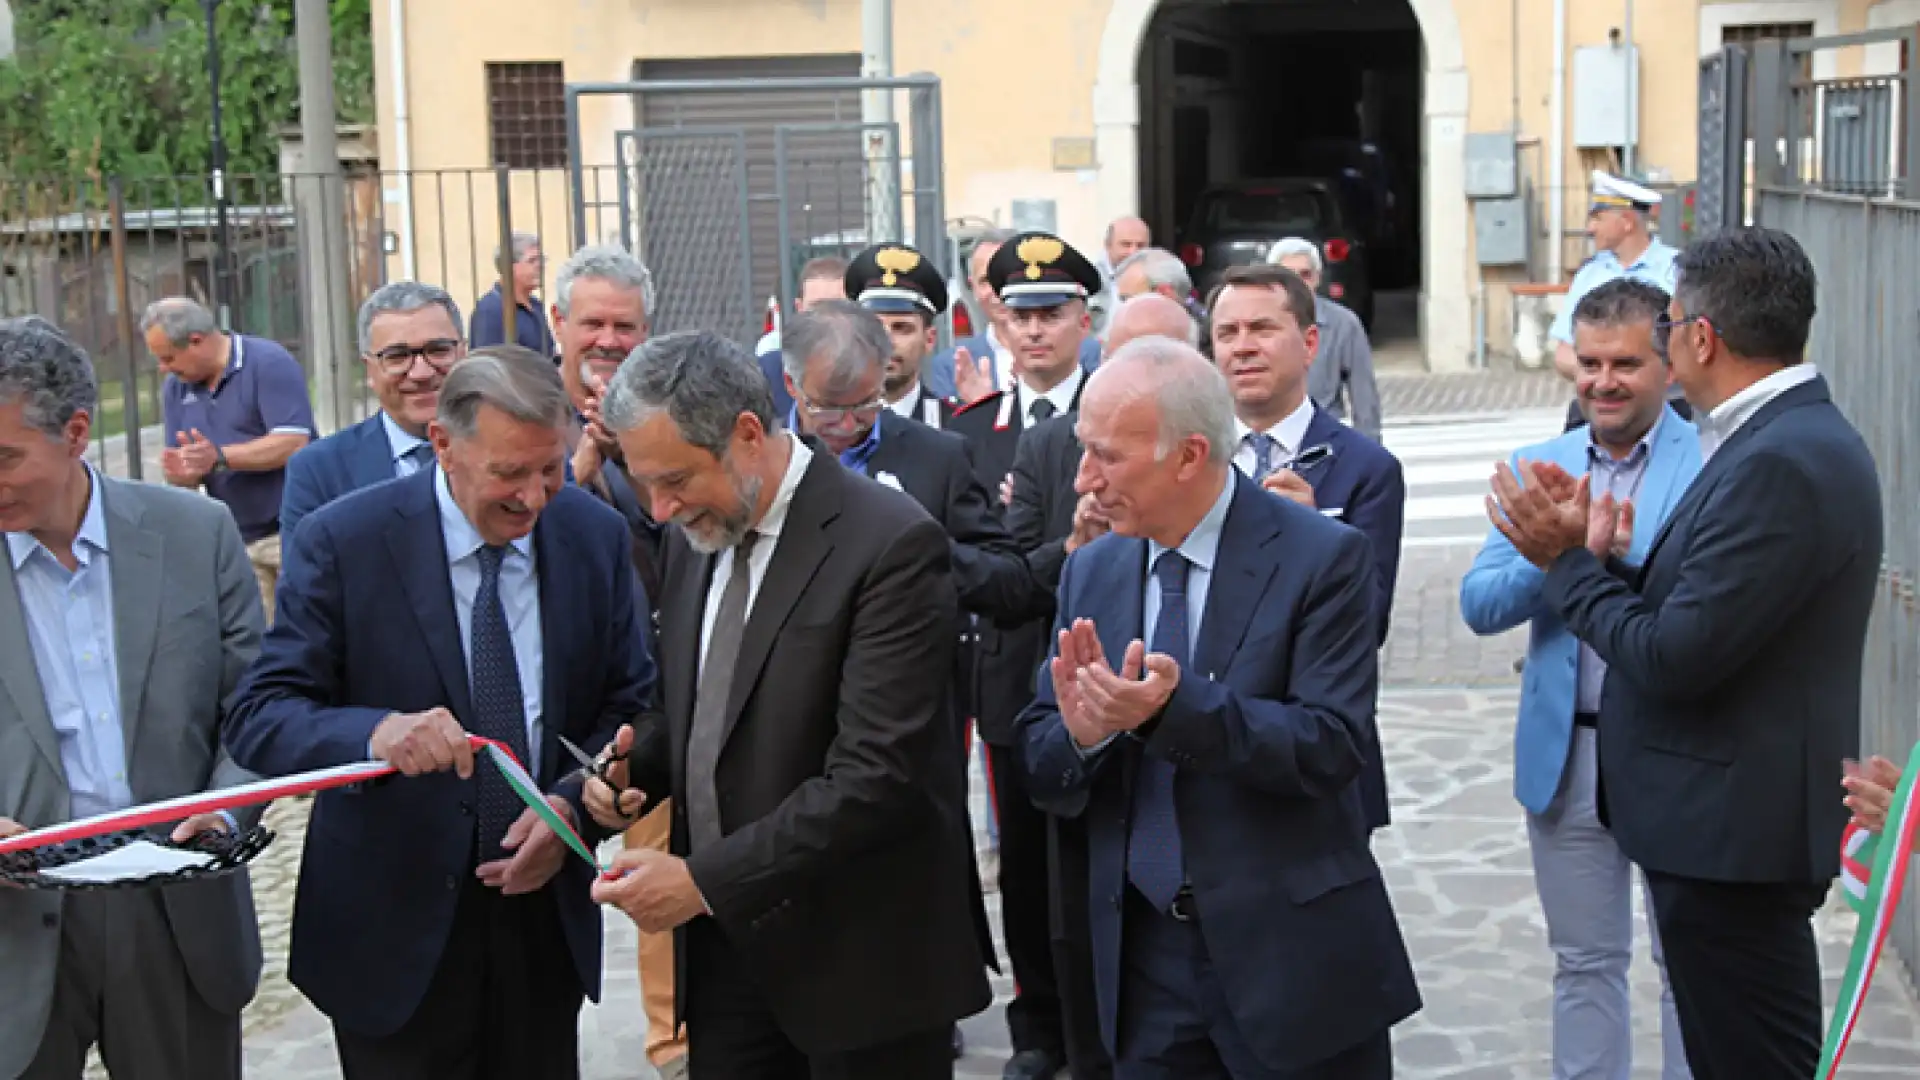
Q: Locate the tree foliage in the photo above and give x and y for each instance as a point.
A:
(119, 87)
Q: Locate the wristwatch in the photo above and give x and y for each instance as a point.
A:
(219, 461)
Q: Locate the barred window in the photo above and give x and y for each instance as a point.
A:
(527, 114)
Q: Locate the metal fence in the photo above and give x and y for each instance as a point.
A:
(1867, 253)
(1856, 134)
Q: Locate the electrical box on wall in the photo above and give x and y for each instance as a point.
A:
(1605, 78)
(1500, 231)
(1492, 166)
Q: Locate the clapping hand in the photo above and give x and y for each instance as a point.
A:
(1097, 702)
(972, 380)
(188, 463)
(1537, 511)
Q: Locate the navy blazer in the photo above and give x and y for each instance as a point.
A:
(365, 627)
(1266, 729)
(320, 472)
(1362, 485)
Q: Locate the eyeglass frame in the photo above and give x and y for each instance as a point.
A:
(830, 414)
(398, 359)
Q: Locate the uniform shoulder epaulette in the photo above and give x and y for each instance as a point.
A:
(960, 410)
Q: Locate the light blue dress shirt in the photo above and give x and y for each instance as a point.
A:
(70, 625)
(519, 595)
(1201, 548)
(1654, 266)
(401, 445)
(1620, 478)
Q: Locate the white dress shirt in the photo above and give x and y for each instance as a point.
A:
(519, 596)
(908, 400)
(1288, 434)
(1062, 395)
(1201, 549)
(1734, 412)
(769, 530)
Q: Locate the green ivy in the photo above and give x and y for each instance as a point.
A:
(119, 87)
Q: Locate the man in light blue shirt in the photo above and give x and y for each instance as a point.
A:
(1624, 246)
(127, 614)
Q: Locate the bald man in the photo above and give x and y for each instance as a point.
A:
(1048, 521)
(1125, 237)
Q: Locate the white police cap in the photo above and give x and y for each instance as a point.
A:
(1612, 192)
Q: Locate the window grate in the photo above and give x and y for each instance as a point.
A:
(527, 114)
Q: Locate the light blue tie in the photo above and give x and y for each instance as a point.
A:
(1154, 863)
(1263, 445)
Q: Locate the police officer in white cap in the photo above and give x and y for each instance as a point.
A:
(1624, 247)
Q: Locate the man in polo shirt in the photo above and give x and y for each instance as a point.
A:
(529, 324)
(235, 409)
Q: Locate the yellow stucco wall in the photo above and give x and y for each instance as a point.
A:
(1015, 76)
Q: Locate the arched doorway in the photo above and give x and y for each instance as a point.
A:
(1444, 299)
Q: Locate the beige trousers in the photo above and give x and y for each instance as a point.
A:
(664, 1041)
(264, 554)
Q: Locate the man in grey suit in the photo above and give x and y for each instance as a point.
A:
(1341, 380)
(127, 614)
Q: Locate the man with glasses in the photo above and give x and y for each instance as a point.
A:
(529, 325)
(409, 338)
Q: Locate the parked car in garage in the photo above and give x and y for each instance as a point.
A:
(1235, 225)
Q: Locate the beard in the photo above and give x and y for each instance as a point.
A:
(710, 532)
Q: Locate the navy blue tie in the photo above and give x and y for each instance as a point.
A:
(1262, 454)
(499, 709)
(1154, 864)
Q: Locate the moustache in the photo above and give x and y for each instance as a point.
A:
(614, 355)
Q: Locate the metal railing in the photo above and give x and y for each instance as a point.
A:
(1854, 135)
(1867, 253)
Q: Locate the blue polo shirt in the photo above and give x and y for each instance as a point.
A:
(529, 325)
(263, 391)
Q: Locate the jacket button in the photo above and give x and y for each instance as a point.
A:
(452, 883)
(1115, 901)
(466, 809)
(50, 920)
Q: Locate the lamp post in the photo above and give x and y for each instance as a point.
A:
(223, 237)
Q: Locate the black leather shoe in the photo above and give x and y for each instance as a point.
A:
(1033, 1065)
(959, 1043)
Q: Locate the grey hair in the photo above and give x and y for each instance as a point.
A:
(518, 244)
(602, 262)
(47, 372)
(1297, 245)
(702, 381)
(1162, 269)
(512, 378)
(401, 297)
(1621, 302)
(179, 318)
(1192, 394)
(848, 335)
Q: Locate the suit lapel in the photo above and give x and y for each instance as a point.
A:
(561, 594)
(419, 552)
(139, 581)
(1675, 458)
(1242, 569)
(19, 679)
(373, 456)
(1122, 582)
(1734, 448)
(683, 614)
(803, 545)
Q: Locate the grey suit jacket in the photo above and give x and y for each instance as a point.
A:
(1344, 369)
(187, 622)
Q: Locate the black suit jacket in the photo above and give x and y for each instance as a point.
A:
(1009, 649)
(1734, 653)
(844, 875)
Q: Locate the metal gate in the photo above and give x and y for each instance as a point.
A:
(676, 185)
(700, 204)
(1720, 197)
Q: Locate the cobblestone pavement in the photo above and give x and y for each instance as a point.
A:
(1456, 863)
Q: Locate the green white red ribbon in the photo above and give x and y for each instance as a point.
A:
(1873, 873)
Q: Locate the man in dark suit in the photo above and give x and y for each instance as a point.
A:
(819, 874)
(443, 929)
(410, 338)
(1211, 738)
(1264, 337)
(1049, 520)
(1733, 654)
(986, 362)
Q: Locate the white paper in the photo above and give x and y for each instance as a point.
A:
(140, 859)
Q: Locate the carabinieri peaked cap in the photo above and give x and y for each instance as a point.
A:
(1040, 270)
(1614, 193)
(894, 279)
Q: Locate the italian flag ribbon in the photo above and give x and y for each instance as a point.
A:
(169, 811)
(1873, 873)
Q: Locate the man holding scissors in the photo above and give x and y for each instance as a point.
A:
(1264, 340)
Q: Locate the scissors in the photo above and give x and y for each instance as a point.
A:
(595, 767)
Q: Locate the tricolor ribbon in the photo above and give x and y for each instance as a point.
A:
(169, 811)
(1873, 873)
